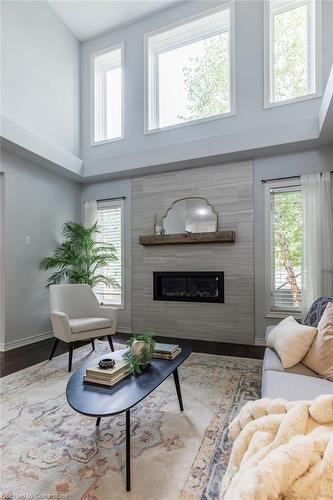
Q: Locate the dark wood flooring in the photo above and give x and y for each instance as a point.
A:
(22, 357)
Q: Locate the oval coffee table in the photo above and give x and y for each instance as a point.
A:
(102, 401)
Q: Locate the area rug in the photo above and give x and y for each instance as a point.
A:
(50, 451)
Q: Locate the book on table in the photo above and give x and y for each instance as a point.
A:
(110, 382)
(108, 376)
(166, 351)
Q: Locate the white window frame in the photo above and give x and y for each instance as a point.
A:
(268, 185)
(115, 203)
(314, 30)
(92, 94)
(151, 67)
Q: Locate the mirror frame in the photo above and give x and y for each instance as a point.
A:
(194, 198)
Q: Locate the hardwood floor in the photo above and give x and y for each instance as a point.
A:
(22, 357)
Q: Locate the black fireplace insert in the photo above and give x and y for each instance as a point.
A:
(191, 286)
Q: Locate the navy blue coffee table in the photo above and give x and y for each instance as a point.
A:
(100, 401)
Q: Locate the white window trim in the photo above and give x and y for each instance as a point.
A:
(316, 44)
(151, 99)
(94, 143)
(269, 312)
(116, 203)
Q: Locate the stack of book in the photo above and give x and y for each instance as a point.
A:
(110, 376)
(166, 351)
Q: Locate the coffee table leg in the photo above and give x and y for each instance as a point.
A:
(179, 394)
(98, 421)
(128, 451)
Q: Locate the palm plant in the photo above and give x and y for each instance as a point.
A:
(80, 257)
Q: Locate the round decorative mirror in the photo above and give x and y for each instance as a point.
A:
(191, 215)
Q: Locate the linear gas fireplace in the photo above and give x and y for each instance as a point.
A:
(196, 286)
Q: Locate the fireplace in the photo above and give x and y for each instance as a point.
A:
(196, 286)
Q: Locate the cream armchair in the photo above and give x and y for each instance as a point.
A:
(77, 315)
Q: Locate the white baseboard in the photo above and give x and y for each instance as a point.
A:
(124, 329)
(8, 346)
(261, 342)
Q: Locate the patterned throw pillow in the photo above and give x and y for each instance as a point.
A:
(316, 311)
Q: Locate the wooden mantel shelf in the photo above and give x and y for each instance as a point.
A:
(185, 238)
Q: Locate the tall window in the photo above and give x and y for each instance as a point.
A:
(110, 216)
(107, 95)
(291, 40)
(190, 70)
(283, 246)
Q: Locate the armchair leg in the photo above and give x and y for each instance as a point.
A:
(111, 343)
(70, 355)
(93, 344)
(56, 341)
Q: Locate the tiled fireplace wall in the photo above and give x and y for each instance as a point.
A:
(229, 189)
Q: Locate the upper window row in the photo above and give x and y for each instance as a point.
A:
(190, 73)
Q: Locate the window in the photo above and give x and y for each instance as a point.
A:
(292, 50)
(283, 246)
(110, 221)
(107, 95)
(190, 71)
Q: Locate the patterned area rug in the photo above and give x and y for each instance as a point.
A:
(50, 451)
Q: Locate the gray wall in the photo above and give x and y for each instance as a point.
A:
(40, 80)
(320, 160)
(106, 190)
(229, 189)
(37, 202)
(249, 85)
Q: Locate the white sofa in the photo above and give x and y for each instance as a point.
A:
(295, 383)
(77, 315)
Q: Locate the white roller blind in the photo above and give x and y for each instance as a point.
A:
(110, 223)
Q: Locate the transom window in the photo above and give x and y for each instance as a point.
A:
(190, 71)
(291, 44)
(110, 222)
(107, 95)
(283, 246)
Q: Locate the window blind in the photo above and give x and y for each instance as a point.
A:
(286, 248)
(110, 225)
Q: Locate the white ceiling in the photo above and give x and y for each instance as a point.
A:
(89, 18)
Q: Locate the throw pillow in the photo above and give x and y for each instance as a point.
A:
(291, 341)
(320, 356)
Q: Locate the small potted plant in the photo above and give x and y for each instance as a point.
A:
(141, 347)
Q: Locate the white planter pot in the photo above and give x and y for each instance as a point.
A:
(137, 347)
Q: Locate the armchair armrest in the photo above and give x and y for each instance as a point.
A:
(61, 327)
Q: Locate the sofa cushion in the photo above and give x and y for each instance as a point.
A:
(79, 325)
(320, 355)
(291, 341)
(272, 362)
(292, 386)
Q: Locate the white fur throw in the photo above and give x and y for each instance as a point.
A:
(282, 450)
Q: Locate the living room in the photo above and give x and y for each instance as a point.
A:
(166, 203)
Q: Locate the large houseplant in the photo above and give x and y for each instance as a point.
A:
(80, 257)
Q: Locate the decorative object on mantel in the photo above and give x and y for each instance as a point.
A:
(141, 351)
(185, 238)
(158, 228)
(190, 215)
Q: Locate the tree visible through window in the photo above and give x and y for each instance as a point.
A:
(292, 47)
(190, 70)
(206, 79)
(286, 247)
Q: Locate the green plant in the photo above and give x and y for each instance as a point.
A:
(80, 257)
(139, 362)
